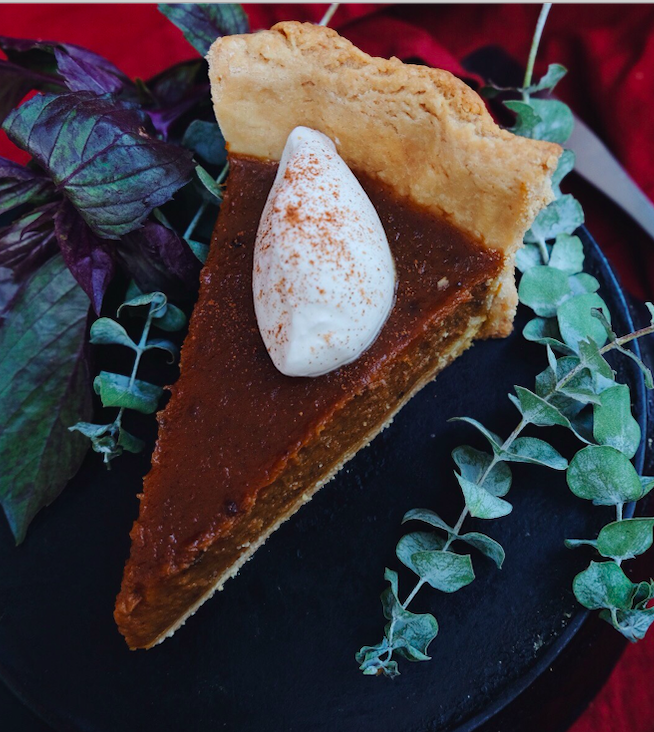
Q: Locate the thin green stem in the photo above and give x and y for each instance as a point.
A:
(618, 512)
(198, 214)
(534, 48)
(544, 252)
(329, 14)
(413, 593)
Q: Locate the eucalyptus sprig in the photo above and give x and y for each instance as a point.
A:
(129, 392)
(578, 391)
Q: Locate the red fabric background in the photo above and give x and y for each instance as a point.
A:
(609, 50)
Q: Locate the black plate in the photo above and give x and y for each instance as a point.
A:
(274, 651)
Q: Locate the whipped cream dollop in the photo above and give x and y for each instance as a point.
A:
(324, 276)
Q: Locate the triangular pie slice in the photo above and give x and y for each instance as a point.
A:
(241, 447)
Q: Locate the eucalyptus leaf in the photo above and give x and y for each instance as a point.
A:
(480, 502)
(444, 571)
(527, 119)
(527, 257)
(157, 300)
(115, 390)
(209, 183)
(575, 543)
(567, 254)
(563, 216)
(613, 423)
(163, 344)
(491, 548)
(603, 475)
(583, 283)
(173, 319)
(603, 585)
(473, 464)
(646, 485)
(44, 390)
(565, 166)
(625, 539)
(417, 541)
(546, 332)
(537, 411)
(536, 452)
(544, 289)
(554, 74)
(105, 331)
(428, 517)
(556, 120)
(493, 439)
(129, 442)
(645, 370)
(206, 140)
(200, 250)
(577, 323)
(633, 624)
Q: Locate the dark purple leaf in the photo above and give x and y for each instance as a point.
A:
(20, 184)
(45, 390)
(28, 241)
(175, 91)
(101, 157)
(158, 259)
(202, 23)
(90, 259)
(16, 82)
(81, 70)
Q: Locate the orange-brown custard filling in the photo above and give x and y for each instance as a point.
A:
(233, 420)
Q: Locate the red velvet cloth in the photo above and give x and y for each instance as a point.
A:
(609, 50)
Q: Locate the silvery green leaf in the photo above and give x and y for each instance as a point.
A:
(171, 320)
(591, 357)
(417, 541)
(582, 424)
(209, 183)
(493, 439)
(474, 463)
(527, 119)
(575, 543)
(633, 624)
(90, 430)
(412, 634)
(546, 332)
(650, 308)
(562, 216)
(527, 257)
(613, 422)
(567, 254)
(157, 299)
(163, 345)
(370, 662)
(647, 374)
(200, 250)
(565, 166)
(480, 502)
(428, 517)
(646, 485)
(581, 388)
(107, 446)
(625, 539)
(554, 74)
(106, 331)
(491, 548)
(600, 315)
(444, 571)
(603, 475)
(577, 323)
(545, 387)
(551, 359)
(556, 120)
(206, 140)
(537, 411)
(129, 442)
(536, 452)
(543, 289)
(643, 594)
(603, 585)
(115, 390)
(583, 283)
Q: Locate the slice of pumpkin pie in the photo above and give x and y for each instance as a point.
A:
(367, 236)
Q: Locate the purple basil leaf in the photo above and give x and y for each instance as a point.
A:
(158, 259)
(100, 156)
(82, 70)
(175, 91)
(90, 258)
(203, 23)
(28, 242)
(19, 185)
(8, 288)
(16, 82)
(45, 380)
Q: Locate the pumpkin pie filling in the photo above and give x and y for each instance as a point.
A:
(235, 424)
